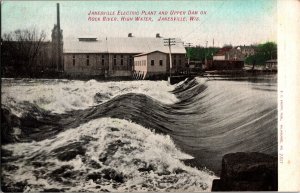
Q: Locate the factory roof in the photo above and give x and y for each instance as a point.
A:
(130, 45)
(147, 53)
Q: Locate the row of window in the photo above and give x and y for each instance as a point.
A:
(137, 63)
(121, 61)
(102, 61)
(87, 60)
(140, 63)
(87, 56)
(143, 63)
(160, 62)
(122, 56)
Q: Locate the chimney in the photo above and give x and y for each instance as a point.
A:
(158, 35)
(130, 35)
(59, 66)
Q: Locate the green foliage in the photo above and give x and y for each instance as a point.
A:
(264, 52)
(198, 53)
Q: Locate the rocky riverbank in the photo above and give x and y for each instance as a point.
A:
(247, 171)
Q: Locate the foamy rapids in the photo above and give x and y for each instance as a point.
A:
(115, 155)
(104, 154)
(59, 96)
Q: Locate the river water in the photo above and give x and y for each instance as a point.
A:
(132, 135)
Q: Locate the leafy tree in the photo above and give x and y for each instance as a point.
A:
(264, 52)
(198, 53)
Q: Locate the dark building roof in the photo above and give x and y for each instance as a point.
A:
(147, 53)
(222, 51)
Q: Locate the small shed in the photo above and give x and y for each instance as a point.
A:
(271, 64)
(149, 64)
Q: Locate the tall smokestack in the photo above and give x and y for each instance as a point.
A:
(59, 66)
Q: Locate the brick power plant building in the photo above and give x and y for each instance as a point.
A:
(121, 57)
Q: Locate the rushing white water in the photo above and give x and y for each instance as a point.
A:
(88, 150)
(147, 161)
(59, 96)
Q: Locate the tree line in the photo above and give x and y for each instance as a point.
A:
(20, 49)
(200, 53)
(263, 52)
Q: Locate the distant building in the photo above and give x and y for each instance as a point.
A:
(85, 57)
(221, 53)
(229, 53)
(247, 50)
(196, 67)
(227, 58)
(226, 65)
(113, 57)
(234, 54)
(157, 63)
(271, 64)
(151, 63)
(89, 56)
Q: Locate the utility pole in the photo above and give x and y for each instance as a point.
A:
(170, 42)
(200, 60)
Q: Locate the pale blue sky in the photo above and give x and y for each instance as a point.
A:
(228, 21)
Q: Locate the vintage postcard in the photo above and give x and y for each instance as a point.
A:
(147, 96)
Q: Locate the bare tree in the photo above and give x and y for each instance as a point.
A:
(24, 46)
